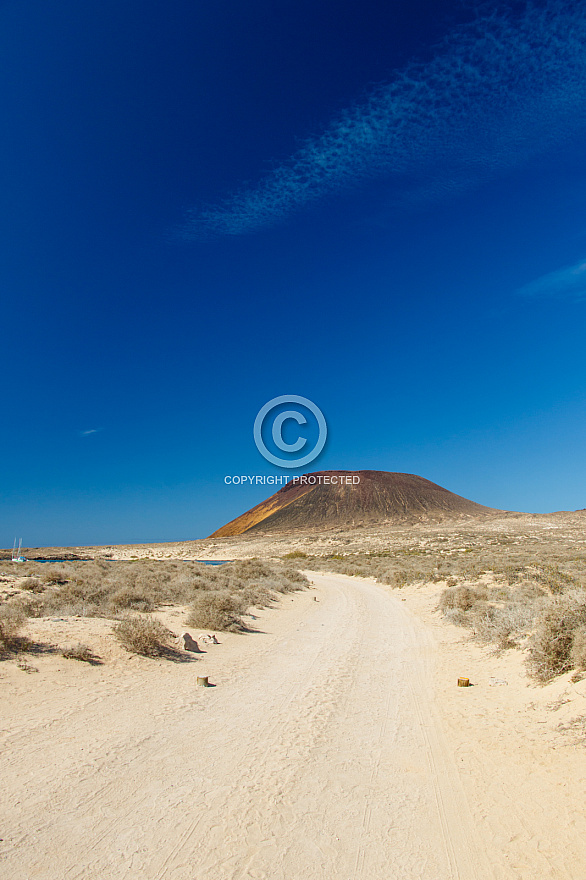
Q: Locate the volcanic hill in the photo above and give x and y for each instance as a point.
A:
(352, 498)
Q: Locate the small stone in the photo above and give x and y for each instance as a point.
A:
(189, 644)
(208, 639)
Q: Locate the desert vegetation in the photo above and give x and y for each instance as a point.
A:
(525, 591)
(513, 584)
(220, 610)
(544, 616)
(218, 597)
(143, 635)
(79, 652)
(12, 619)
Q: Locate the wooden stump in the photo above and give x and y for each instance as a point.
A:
(463, 682)
(202, 681)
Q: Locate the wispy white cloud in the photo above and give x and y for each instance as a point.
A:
(90, 431)
(570, 282)
(498, 91)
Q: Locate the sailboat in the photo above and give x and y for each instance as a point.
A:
(16, 554)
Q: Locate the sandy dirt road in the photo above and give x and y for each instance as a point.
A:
(320, 753)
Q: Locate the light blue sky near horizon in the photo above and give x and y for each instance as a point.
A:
(206, 209)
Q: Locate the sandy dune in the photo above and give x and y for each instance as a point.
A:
(335, 745)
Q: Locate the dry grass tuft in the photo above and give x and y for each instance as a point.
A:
(79, 652)
(576, 728)
(23, 664)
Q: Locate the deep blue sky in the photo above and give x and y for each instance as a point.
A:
(375, 205)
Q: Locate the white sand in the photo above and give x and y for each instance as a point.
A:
(335, 745)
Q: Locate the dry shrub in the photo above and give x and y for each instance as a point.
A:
(142, 635)
(500, 593)
(54, 575)
(295, 577)
(458, 617)
(132, 598)
(499, 616)
(278, 584)
(249, 569)
(550, 650)
(461, 598)
(258, 595)
(393, 578)
(68, 600)
(218, 610)
(79, 652)
(28, 605)
(554, 579)
(503, 625)
(12, 619)
(295, 554)
(578, 654)
(528, 590)
(31, 583)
